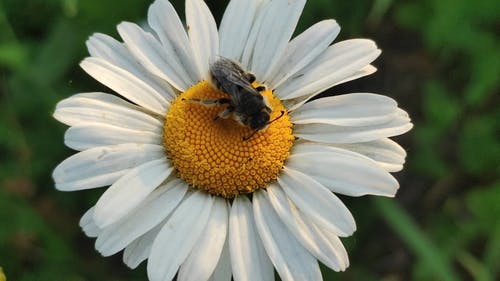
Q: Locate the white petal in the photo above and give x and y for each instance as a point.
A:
(82, 109)
(278, 23)
(129, 191)
(178, 236)
(246, 57)
(223, 270)
(327, 133)
(138, 251)
(367, 70)
(103, 166)
(359, 109)
(106, 47)
(201, 262)
(291, 260)
(203, 34)
(163, 18)
(88, 136)
(325, 246)
(387, 153)
(249, 260)
(277, 26)
(342, 171)
(337, 63)
(87, 224)
(152, 210)
(302, 50)
(125, 84)
(150, 53)
(293, 104)
(235, 27)
(317, 202)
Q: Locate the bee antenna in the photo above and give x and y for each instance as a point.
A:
(275, 119)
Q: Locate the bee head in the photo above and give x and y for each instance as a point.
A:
(259, 120)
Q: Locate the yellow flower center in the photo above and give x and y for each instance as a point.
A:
(210, 154)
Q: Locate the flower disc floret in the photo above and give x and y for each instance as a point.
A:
(209, 153)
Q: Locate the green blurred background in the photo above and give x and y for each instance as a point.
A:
(440, 61)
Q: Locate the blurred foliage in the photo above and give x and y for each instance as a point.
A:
(441, 61)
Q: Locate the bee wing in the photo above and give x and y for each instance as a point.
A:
(234, 82)
(240, 87)
(225, 65)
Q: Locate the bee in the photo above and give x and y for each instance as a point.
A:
(245, 103)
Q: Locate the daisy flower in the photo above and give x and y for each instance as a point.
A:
(186, 192)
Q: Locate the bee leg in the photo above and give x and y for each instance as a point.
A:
(250, 77)
(210, 102)
(251, 135)
(225, 114)
(260, 88)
